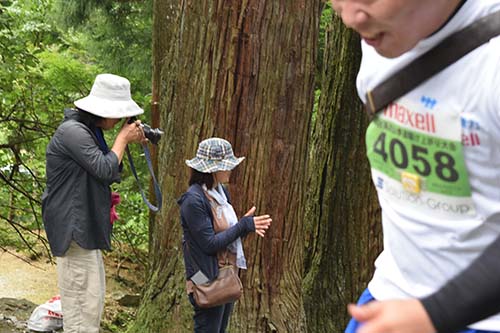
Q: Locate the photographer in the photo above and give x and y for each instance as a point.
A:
(77, 202)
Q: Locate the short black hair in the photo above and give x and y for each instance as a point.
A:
(89, 118)
(201, 178)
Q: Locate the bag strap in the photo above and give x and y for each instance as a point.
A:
(451, 49)
(153, 208)
(213, 207)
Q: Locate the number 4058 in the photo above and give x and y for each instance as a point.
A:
(397, 153)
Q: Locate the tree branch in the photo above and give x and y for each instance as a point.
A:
(21, 258)
(20, 190)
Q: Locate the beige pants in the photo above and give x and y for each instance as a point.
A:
(82, 284)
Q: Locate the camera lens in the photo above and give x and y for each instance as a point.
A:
(152, 134)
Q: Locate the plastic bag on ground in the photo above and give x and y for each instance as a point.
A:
(47, 317)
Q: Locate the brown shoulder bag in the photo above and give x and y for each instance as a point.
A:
(227, 287)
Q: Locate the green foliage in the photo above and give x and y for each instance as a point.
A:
(326, 18)
(133, 227)
(69, 77)
(122, 320)
(117, 33)
(30, 109)
(44, 67)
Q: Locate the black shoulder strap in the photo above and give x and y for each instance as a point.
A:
(432, 62)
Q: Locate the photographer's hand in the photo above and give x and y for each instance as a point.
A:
(135, 132)
(129, 133)
(261, 222)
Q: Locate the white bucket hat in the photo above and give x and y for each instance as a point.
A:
(110, 98)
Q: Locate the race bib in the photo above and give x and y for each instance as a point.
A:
(417, 160)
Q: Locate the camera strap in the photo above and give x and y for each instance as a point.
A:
(451, 49)
(151, 171)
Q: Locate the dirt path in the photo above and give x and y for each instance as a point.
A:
(36, 282)
(23, 286)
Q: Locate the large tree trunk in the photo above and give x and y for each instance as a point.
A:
(242, 70)
(343, 215)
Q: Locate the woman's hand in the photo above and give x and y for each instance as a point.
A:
(261, 222)
(396, 316)
(132, 132)
(129, 133)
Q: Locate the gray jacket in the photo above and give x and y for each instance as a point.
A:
(77, 200)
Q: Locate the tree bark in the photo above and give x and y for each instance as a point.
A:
(342, 213)
(242, 70)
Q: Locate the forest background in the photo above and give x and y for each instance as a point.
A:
(51, 51)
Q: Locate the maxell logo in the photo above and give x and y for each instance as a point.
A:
(471, 139)
(424, 122)
(470, 132)
(428, 102)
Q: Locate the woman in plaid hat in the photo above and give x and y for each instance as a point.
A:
(212, 232)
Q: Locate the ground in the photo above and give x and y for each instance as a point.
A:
(25, 284)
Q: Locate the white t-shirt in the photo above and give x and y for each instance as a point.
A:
(435, 158)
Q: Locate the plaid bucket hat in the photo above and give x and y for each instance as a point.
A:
(214, 154)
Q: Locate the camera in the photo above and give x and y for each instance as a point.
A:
(152, 134)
